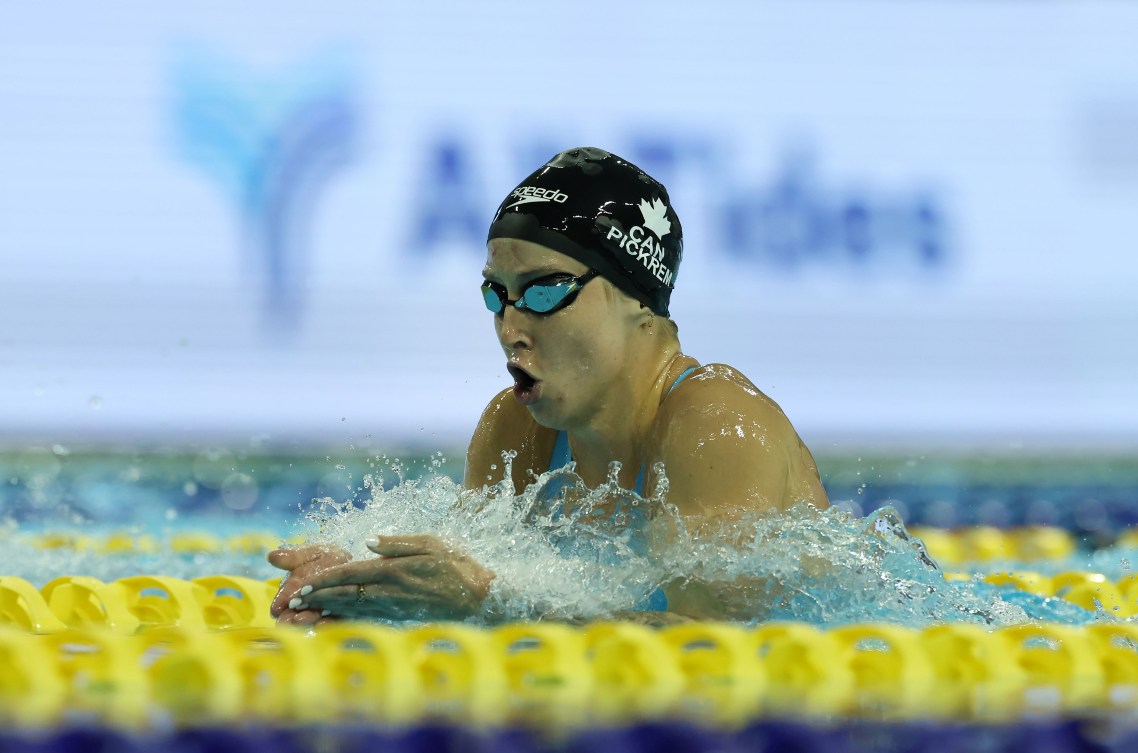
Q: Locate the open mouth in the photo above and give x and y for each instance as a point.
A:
(522, 378)
(525, 386)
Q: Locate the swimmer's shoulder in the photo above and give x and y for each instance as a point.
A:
(717, 416)
(717, 389)
(506, 425)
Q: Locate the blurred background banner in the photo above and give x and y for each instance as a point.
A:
(909, 223)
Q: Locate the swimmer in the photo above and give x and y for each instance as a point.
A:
(582, 258)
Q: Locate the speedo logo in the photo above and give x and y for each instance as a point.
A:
(532, 194)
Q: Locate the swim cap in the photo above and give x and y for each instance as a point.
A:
(604, 212)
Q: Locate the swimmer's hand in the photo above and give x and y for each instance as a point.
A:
(302, 565)
(418, 577)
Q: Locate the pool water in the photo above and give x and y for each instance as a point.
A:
(857, 575)
(861, 562)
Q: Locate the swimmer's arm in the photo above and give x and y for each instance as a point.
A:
(805, 484)
(506, 426)
(728, 452)
(483, 458)
(735, 459)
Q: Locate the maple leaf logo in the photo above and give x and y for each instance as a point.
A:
(654, 218)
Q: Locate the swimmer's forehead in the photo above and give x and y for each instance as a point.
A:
(507, 257)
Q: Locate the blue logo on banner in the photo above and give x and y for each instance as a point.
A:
(791, 219)
(272, 143)
(796, 221)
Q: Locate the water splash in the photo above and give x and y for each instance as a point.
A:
(563, 551)
(560, 551)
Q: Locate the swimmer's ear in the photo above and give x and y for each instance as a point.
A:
(647, 318)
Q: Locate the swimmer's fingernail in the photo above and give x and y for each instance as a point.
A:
(306, 590)
(372, 543)
(326, 613)
(295, 603)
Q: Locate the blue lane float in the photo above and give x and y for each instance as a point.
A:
(1070, 736)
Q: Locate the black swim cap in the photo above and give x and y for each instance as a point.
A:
(604, 212)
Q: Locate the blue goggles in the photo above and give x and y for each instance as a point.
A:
(541, 296)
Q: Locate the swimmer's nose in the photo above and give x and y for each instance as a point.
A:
(513, 330)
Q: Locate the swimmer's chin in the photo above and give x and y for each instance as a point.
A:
(542, 415)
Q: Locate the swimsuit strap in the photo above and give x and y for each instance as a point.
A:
(562, 454)
(686, 373)
(639, 489)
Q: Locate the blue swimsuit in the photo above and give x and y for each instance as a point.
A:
(563, 455)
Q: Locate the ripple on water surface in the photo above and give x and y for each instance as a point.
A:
(609, 551)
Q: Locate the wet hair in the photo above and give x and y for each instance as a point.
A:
(606, 213)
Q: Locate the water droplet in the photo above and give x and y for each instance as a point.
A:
(60, 450)
(95, 402)
(239, 491)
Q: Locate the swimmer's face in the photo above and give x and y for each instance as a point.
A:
(566, 363)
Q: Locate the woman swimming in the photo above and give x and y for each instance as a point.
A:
(581, 261)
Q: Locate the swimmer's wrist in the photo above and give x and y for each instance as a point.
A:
(484, 591)
(495, 598)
